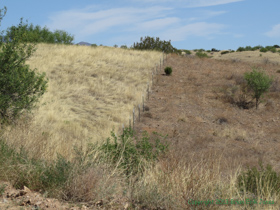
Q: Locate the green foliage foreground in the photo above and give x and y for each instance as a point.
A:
(126, 153)
(20, 87)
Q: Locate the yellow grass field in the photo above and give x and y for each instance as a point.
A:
(91, 90)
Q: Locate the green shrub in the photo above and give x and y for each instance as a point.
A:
(188, 52)
(260, 182)
(93, 45)
(123, 46)
(257, 47)
(259, 82)
(201, 54)
(20, 87)
(36, 34)
(263, 50)
(129, 153)
(225, 52)
(248, 48)
(168, 70)
(240, 49)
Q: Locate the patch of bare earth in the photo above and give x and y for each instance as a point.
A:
(198, 122)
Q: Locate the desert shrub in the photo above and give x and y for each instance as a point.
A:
(115, 46)
(257, 47)
(225, 52)
(263, 49)
(201, 54)
(168, 70)
(129, 153)
(276, 46)
(264, 181)
(215, 50)
(259, 82)
(188, 52)
(151, 43)
(248, 48)
(93, 45)
(20, 87)
(240, 49)
(123, 46)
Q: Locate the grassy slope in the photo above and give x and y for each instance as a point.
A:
(91, 90)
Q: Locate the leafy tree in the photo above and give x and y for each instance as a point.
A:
(259, 82)
(20, 87)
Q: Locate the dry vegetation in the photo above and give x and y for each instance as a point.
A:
(254, 57)
(211, 140)
(91, 90)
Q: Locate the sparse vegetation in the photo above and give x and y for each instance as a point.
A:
(225, 52)
(200, 54)
(62, 151)
(188, 52)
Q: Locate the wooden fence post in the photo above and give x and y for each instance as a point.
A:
(139, 111)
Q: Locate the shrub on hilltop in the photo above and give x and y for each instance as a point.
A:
(151, 43)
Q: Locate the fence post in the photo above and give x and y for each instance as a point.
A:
(143, 103)
(133, 119)
(148, 91)
(160, 65)
(139, 111)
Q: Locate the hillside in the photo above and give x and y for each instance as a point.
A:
(91, 91)
(212, 139)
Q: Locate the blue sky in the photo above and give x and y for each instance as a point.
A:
(189, 24)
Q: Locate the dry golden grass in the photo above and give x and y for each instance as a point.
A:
(90, 92)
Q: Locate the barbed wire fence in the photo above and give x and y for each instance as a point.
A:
(136, 112)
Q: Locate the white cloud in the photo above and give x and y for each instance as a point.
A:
(120, 23)
(190, 3)
(275, 32)
(86, 23)
(201, 29)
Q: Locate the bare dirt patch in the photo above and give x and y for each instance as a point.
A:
(185, 106)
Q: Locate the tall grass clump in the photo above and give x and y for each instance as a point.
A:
(262, 183)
